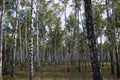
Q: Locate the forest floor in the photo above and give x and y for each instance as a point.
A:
(59, 72)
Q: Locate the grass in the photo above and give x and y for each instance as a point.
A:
(59, 72)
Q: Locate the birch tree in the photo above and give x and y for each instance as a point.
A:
(31, 71)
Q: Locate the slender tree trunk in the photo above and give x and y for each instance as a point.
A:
(97, 74)
(31, 73)
(85, 53)
(4, 56)
(101, 51)
(111, 59)
(115, 44)
(67, 59)
(117, 61)
(26, 42)
(43, 48)
(66, 49)
(1, 26)
(15, 42)
(117, 57)
(1, 48)
(111, 52)
(37, 51)
(21, 65)
(37, 44)
(78, 41)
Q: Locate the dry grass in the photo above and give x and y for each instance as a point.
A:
(59, 72)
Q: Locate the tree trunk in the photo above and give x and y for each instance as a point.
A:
(15, 42)
(97, 74)
(77, 42)
(1, 49)
(67, 59)
(37, 44)
(111, 52)
(1, 26)
(26, 43)
(115, 26)
(31, 73)
(20, 41)
(101, 51)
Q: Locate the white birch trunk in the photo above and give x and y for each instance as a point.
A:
(31, 73)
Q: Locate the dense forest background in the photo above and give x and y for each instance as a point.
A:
(59, 39)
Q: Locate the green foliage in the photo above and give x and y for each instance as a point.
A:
(99, 22)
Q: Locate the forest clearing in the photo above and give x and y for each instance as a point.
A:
(59, 39)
